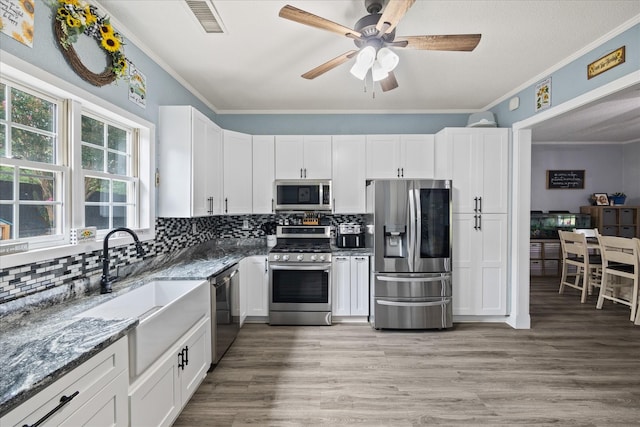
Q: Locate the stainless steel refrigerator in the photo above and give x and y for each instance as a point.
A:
(411, 240)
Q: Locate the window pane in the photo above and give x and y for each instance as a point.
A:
(92, 131)
(3, 142)
(32, 146)
(92, 158)
(117, 164)
(117, 139)
(37, 185)
(36, 220)
(3, 101)
(96, 190)
(32, 111)
(119, 191)
(119, 216)
(6, 183)
(96, 216)
(6, 222)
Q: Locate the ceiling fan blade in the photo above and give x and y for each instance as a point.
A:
(389, 82)
(300, 16)
(458, 42)
(329, 65)
(392, 14)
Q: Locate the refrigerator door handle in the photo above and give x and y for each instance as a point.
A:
(443, 301)
(413, 279)
(411, 224)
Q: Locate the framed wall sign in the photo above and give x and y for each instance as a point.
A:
(565, 179)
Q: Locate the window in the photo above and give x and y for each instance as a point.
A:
(32, 171)
(68, 159)
(108, 174)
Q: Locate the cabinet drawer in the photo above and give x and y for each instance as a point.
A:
(551, 267)
(87, 380)
(609, 217)
(535, 268)
(627, 231)
(627, 216)
(610, 230)
(552, 250)
(535, 250)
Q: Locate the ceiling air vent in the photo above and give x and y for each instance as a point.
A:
(206, 15)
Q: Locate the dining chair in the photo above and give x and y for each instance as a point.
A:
(620, 260)
(593, 247)
(575, 253)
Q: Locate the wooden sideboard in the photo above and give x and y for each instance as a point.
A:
(623, 221)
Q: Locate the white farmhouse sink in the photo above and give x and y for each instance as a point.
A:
(166, 310)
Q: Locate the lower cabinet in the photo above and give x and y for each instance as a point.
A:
(480, 264)
(254, 280)
(350, 287)
(158, 395)
(95, 392)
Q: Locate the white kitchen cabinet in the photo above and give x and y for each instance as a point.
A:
(303, 157)
(238, 176)
(190, 163)
(350, 278)
(264, 173)
(476, 159)
(400, 156)
(479, 264)
(349, 174)
(254, 278)
(99, 390)
(157, 397)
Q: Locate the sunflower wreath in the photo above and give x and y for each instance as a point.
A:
(74, 18)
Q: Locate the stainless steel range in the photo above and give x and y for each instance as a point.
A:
(300, 276)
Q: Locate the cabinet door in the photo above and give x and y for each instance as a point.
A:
(493, 152)
(317, 157)
(341, 287)
(359, 286)
(479, 264)
(383, 156)
(157, 401)
(255, 274)
(417, 156)
(201, 158)
(213, 176)
(349, 174)
(289, 154)
(464, 171)
(197, 360)
(237, 168)
(263, 174)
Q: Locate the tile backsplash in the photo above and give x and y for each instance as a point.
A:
(172, 235)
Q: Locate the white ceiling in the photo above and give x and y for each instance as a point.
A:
(255, 66)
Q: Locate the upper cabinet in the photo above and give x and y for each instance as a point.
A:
(263, 173)
(400, 156)
(349, 174)
(190, 163)
(476, 159)
(238, 177)
(303, 157)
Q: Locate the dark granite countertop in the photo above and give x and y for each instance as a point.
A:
(41, 340)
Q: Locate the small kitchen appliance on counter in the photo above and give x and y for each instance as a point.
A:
(350, 235)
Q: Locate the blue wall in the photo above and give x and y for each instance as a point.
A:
(571, 80)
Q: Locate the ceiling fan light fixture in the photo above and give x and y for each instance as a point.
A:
(364, 61)
(378, 72)
(388, 59)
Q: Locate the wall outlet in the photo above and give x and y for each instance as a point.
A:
(245, 224)
(194, 228)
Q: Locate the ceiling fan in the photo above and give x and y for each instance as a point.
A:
(374, 35)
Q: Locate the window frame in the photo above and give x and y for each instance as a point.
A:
(77, 100)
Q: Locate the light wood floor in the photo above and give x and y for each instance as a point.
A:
(576, 366)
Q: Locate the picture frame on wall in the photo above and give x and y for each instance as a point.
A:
(601, 199)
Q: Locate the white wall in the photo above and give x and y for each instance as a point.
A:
(631, 174)
(604, 166)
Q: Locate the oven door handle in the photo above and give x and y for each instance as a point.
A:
(443, 301)
(301, 267)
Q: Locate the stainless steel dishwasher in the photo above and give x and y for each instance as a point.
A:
(224, 326)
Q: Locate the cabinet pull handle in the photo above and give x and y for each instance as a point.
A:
(398, 173)
(272, 208)
(186, 355)
(181, 360)
(402, 172)
(480, 202)
(479, 222)
(63, 401)
(226, 205)
(210, 200)
(301, 173)
(475, 204)
(475, 222)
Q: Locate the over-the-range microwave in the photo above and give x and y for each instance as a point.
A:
(303, 195)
